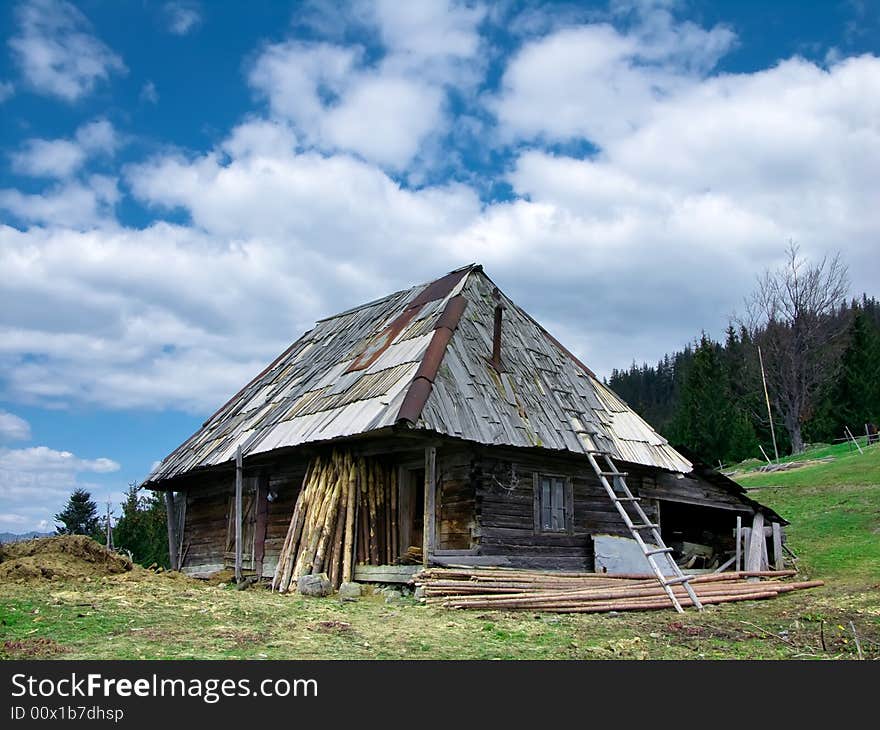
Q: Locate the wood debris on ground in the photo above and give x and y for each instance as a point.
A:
(511, 589)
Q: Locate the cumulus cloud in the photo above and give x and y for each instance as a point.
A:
(13, 428)
(60, 158)
(182, 17)
(601, 81)
(73, 204)
(7, 89)
(337, 98)
(623, 253)
(56, 51)
(35, 481)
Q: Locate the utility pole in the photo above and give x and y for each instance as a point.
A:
(767, 399)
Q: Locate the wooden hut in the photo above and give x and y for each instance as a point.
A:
(438, 425)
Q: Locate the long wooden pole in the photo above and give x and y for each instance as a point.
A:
(739, 533)
(172, 530)
(430, 502)
(350, 497)
(238, 490)
(767, 399)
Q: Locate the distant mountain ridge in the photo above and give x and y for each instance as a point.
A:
(13, 537)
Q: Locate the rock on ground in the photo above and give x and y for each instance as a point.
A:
(350, 590)
(314, 585)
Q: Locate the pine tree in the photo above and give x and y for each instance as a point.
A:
(855, 395)
(707, 420)
(79, 516)
(142, 529)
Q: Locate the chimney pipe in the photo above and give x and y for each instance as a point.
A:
(496, 335)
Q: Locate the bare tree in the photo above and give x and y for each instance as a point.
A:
(791, 316)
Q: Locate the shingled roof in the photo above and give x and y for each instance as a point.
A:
(420, 358)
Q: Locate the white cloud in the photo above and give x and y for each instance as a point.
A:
(7, 89)
(48, 158)
(60, 158)
(34, 482)
(182, 17)
(13, 428)
(600, 82)
(56, 51)
(12, 520)
(626, 253)
(383, 110)
(42, 459)
(71, 204)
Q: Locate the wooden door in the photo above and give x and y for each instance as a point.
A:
(249, 509)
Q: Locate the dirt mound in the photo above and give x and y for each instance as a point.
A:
(66, 556)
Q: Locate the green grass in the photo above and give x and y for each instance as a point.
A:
(152, 617)
(820, 451)
(834, 509)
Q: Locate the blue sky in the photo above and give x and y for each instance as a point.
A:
(186, 186)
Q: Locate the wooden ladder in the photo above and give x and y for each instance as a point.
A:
(620, 495)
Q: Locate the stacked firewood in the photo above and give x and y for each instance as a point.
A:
(508, 589)
(346, 510)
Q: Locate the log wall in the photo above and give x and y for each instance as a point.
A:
(503, 483)
(485, 507)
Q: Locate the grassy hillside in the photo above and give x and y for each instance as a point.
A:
(834, 510)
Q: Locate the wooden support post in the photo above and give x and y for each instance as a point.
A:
(739, 535)
(756, 549)
(262, 519)
(238, 490)
(778, 561)
(429, 518)
(171, 519)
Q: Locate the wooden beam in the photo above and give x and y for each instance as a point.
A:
(778, 561)
(429, 517)
(261, 495)
(238, 490)
(756, 544)
(739, 535)
(171, 519)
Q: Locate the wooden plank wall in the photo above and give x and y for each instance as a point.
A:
(285, 482)
(690, 491)
(504, 516)
(207, 518)
(479, 507)
(204, 530)
(456, 501)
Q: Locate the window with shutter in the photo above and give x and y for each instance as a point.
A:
(552, 504)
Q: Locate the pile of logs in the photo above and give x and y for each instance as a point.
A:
(346, 510)
(508, 589)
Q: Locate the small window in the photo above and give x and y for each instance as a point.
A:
(552, 504)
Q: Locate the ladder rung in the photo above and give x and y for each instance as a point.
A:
(647, 526)
(598, 452)
(627, 499)
(657, 551)
(614, 473)
(676, 581)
